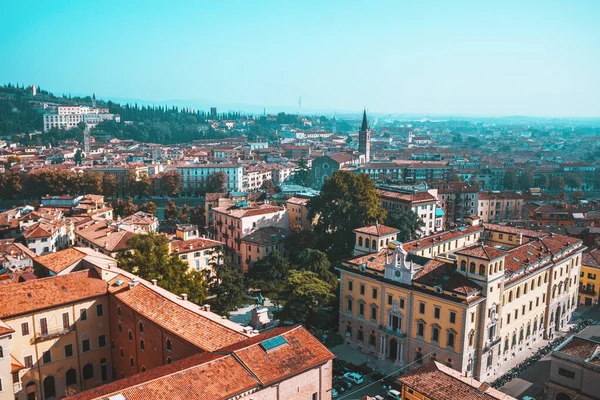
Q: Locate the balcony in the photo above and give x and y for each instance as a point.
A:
(584, 290)
(491, 344)
(394, 332)
(54, 333)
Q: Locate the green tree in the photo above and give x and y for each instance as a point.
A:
(171, 211)
(170, 183)
(474, 182)
(149, 258)
(184, 214)
(268, 274)
(91, 183)
(230, 291)
(510, 180)
(347, 202)
(142, 186)
(12, 159)
(316, 261)
(124, 208)
(10, 185)
(148, 207)
(408, 223)
(556, 183)
(305, 294)
(78, 157)
(216, 182)
(572, 180)
(542, 181)
(454, 178)
(109, 186)
(198, 217)
(303, 175)
(525, 181)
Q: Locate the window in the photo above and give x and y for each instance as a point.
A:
(141, 324)
(362, 289)
(99, 310)
(71, 377)
(131, 362)
(119, 311)
(349, 286)
(85, 345)
(122, 353)
(169, 360)
(68, 350)
(450, 341)
(402, 303)
(371, 339)
(472, 317)
(47, 357)
(420, 329)
(566, 373)
(25, 328)
(374, 293)
(315, 396)
(436, 312)
(28, 361)
(169, 345)
(422, 308)
(130, 335)
(142, 345)
(102, 341)
(83, 314)
(452, 317)
(360, 336)
(361, 309)
(66, 322)
(43, 326)
(390, 299)
(373, 313)
(349, 305)
(120, 327)
(435, 334)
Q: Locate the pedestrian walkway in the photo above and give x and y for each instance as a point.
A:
(356, 357)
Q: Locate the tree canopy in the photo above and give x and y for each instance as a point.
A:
(408, 223)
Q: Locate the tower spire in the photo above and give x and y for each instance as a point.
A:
(364, 126)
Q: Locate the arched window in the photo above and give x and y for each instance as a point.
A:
(49, 387)
(518, 292)
(131, 362)
(141, 324)
(532, 284)
(372, 339)
(88, 371)
(130, 336)
(420, 329)
(463, 265)
(169, 344)
(521, 331)
(450, 340)
(435, 334)
(514, 340)
(143, 369)
(142, 345)
(360, 241)
(525, 287)
(491, 270)
(528, 333)
(510, 296)
(481, 269)
(373, 244)
(119, 311)
(501, 265)
(71, 377)
(169, 360)
(506, 344)
(539, 281)
(535, 325)
(472, 267)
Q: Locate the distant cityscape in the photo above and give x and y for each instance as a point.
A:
(153, 250)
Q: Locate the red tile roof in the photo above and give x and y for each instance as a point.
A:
(580, 348)
(591, 259)
(434, 240)
(482, 252)
(194, 327)
(39, 294)
(377, 230)
(187, 246)
(413, 198)
(438, 382)
(248, 211)
(59, 261)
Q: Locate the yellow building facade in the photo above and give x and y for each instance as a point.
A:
(589, 287)
(456, 299)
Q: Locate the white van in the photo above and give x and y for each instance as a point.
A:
(354, 377)
(394, 394)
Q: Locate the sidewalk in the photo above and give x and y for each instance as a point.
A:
(356, 357)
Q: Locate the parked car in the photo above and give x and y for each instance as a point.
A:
(354, 377)
(394, 394)
(334, 393)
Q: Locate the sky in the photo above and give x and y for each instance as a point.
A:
(476, 58)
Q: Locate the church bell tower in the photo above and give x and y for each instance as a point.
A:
(364, 138)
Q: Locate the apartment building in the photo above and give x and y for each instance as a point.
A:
(299, 215)
(200, 253)
(424, 203)
(104, 236)
(458, 200)
(45, 237)
(261, 243)
(194, 176)
(125, 175)
(589, 286)
(574, 370)
(232, 224)
(69, 116)
(500, 206)
(472, 304)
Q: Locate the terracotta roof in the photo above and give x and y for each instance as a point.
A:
(39, 294)
(301, 352)
(5, 329)
(57, 262)
(513, 231)
(591, 259)
(187, 246)
(298, 201)
(9, 250)
(437, 272)
(438, 382)
(104, 234)
(15, 365)
(342, 157)
(40, 230)
(434, 240)
(504, 195)
(482, 252)
(419, 197)
(377, 230)
(194, 327)
(580, 348)
(248, 211)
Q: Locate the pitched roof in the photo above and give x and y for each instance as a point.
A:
(194, 327)
(419, 197)
(267, 235)
(482, 252)
(591, 259)
(437, 272)
(580, 348)
(251, 211)
(434, 240)
(377, 230)
(298, 201)
(39, 294)
(438, 382)
(59, 261)
(187, 246)
(104, 234)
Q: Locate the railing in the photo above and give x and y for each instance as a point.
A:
(491, 344)
(584, 290)
(393, 332)
(54, 333)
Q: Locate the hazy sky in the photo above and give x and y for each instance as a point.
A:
(499, 57)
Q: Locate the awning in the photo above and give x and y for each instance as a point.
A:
(439, 212)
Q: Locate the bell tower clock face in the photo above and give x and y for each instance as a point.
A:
(398, 274)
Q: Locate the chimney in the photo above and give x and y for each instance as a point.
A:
(154, 282)
(207, 307)
(184, 296)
